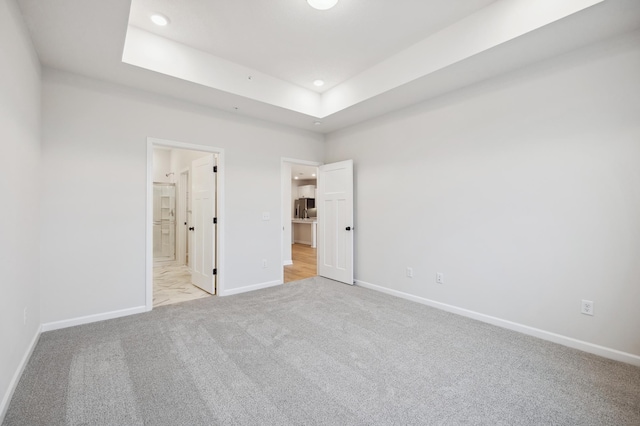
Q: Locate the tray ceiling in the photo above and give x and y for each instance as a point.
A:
(260, 58)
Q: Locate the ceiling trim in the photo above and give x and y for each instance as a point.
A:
(496, 24)
(146, 50)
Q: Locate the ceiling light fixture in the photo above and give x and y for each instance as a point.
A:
(318, 83)
(159, 19)
(322, 4)
(317, 123)
(295, 177)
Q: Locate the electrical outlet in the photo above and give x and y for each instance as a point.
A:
(587, 307)
(25, 316)
(410, 272)
(440, 278)
(266, 216)
(264, 263)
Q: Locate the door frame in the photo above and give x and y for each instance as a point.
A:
(285, 217)
(219, 261)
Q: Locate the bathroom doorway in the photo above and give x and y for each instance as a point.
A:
(184, 243)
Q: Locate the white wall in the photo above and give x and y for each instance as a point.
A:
(94, 232)
(181, 159)
(20, 189)
(524, 191)
(162, 166)
(167, 161)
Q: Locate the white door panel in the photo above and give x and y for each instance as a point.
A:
(203, 235)
(335, 221)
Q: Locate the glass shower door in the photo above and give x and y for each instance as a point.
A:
(164, 221)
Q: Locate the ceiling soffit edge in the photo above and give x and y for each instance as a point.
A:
(496, 24)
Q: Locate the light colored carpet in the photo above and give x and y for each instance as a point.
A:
(314, 352)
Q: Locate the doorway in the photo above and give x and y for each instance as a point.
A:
(184, 222)
(299, 221)
(332, 233)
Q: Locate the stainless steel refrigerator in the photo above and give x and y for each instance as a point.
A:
(302, 207)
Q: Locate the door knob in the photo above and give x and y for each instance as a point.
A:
(348, 228)
(191, 228)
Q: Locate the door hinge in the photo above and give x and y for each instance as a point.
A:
(215, 272)
(215, 169)
(215, 220)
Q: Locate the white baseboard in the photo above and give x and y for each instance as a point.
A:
(4, 405)
(303, 242)
(250, 288)
(92, 318)
(521, 328)
(287, 262)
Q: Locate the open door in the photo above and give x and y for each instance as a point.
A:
(203, 193)
(335, 221)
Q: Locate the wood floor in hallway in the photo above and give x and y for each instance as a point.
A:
(304, 263)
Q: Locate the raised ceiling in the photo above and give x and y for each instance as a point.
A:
(289, 40)
(259, 58)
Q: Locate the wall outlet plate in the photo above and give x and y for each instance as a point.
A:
(440, 278)
(410, 272)
(587, 307)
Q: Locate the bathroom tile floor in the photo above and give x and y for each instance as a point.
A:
(172, 284)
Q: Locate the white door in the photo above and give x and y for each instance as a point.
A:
(181, 219)
(203, 187)
(335, 221)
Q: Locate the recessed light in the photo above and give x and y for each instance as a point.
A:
(317, 123)
(322, 4)
(313, 174)
(295, 177)
(318, 83)
(159, 19)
